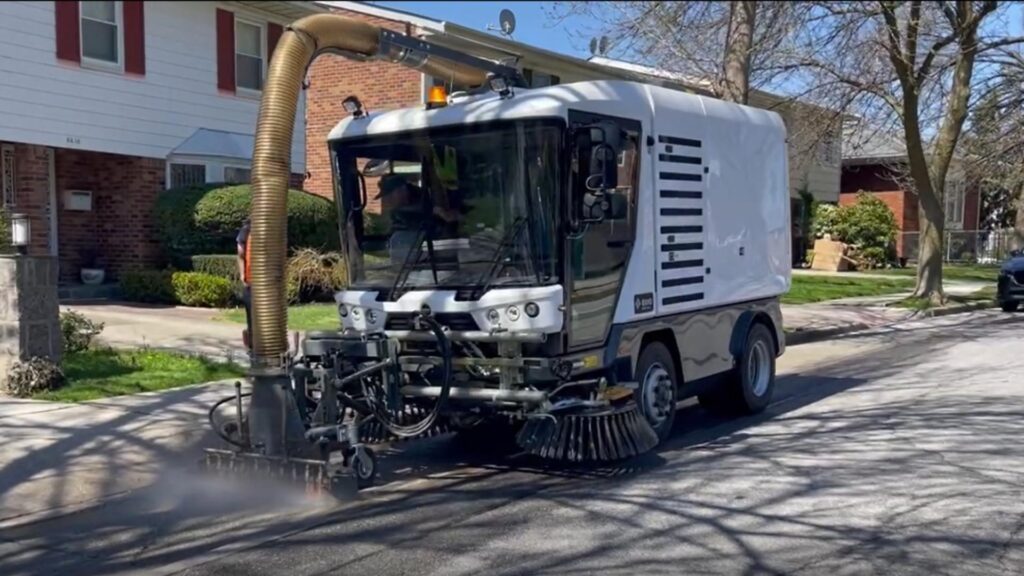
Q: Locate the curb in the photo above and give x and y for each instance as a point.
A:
(798, 337)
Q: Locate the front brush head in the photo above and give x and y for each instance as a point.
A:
(610, 434)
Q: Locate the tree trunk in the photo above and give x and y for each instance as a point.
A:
(930, 248)
(739, 41)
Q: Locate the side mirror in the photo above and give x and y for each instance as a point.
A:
(604, 168)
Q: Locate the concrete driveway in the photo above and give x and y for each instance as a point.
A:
(897, 451)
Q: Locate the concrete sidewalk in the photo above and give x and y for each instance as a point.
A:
(188, 330)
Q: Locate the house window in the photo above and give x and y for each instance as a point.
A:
(248, 55)
(101, 33)
(827, 148)
(955, 192)
(237, 175)
(183, 175)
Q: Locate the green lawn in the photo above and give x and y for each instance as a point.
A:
(103, 373)
(807, 289)
(304, 317)
(984, 273)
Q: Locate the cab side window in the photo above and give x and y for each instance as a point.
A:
(600, 253)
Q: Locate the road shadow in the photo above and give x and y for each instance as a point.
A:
(183, 518)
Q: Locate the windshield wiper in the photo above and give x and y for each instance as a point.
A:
(507, 242)
(411, 259)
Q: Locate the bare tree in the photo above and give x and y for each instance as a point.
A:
(730, 47)
(915, 61)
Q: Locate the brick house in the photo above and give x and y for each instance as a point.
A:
(876, 162)
(105, 104)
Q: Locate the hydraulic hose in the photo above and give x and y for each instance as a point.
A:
(213, 423)
(381, 413)
(298, 46)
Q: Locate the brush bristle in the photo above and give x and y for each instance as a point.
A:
(597, 436)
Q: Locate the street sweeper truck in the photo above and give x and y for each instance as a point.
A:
(559, 266)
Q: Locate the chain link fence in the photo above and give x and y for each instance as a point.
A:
(966, 246)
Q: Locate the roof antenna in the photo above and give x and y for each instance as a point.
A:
(506, 23)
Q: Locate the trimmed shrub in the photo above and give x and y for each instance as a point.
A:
(870, 227)
(204, 219)
(149, 286)
(78, 331)
(223, 265)
(5, 233)
(824, 221)
(314, 276)
(202, 290)
(28, 378)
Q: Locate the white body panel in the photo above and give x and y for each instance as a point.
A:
(724, 213)
(46, 102)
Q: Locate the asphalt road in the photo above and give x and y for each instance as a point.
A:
(896, 452)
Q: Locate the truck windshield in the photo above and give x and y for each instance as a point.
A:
(465, 207)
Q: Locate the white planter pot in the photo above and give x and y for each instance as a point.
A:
(93, 276)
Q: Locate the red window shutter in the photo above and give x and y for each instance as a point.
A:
(274, 32)
(225, 50)
(68, 43)
(134, 38)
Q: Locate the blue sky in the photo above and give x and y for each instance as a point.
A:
(533, 25)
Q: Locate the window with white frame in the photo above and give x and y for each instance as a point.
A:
(237, 175)
(182, 175)
(248, 55)
(955, 193)
(101, 33)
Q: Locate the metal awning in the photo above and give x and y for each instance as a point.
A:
(206, 142)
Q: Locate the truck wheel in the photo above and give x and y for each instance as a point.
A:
(658, 388)
(1009, 305)
(749, 387)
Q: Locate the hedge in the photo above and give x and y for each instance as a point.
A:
(223, 265)
(204, 219)
(186, 288)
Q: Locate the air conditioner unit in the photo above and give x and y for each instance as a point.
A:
(78, 200)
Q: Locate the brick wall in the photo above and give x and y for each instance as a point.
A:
(120, 225)
(378, 85)
(31, 184)
(880, 181)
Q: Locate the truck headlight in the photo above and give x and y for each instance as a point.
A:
(343, 311)
(532, 309)
(356, 313)
(512, 312)
(493, 317)
(371, 316)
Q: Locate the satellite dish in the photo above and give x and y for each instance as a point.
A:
(507, 21)
(602, 46)
(593, 46)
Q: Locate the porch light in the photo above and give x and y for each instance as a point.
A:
(353, 106)
(21, 232)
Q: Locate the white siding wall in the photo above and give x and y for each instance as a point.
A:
(52, 103)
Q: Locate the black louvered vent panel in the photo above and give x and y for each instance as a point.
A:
(458, 321)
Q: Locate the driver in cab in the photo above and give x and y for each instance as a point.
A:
(406, 206)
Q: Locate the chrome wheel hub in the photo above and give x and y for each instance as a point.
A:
(759, 368)
(657, 394)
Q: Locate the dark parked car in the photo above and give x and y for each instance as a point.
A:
(1011, 282)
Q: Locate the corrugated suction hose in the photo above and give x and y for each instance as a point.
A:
(303, 41)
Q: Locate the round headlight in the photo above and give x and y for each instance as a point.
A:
(493, 317)
(356, 313)
(371, 316)
(343, 311)
(512, 312)
(532, 310)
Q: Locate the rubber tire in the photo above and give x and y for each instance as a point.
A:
(656, 352)
(364, 477)
(1009, 306)
(735, 395)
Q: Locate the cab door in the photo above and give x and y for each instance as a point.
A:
(598, 254)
